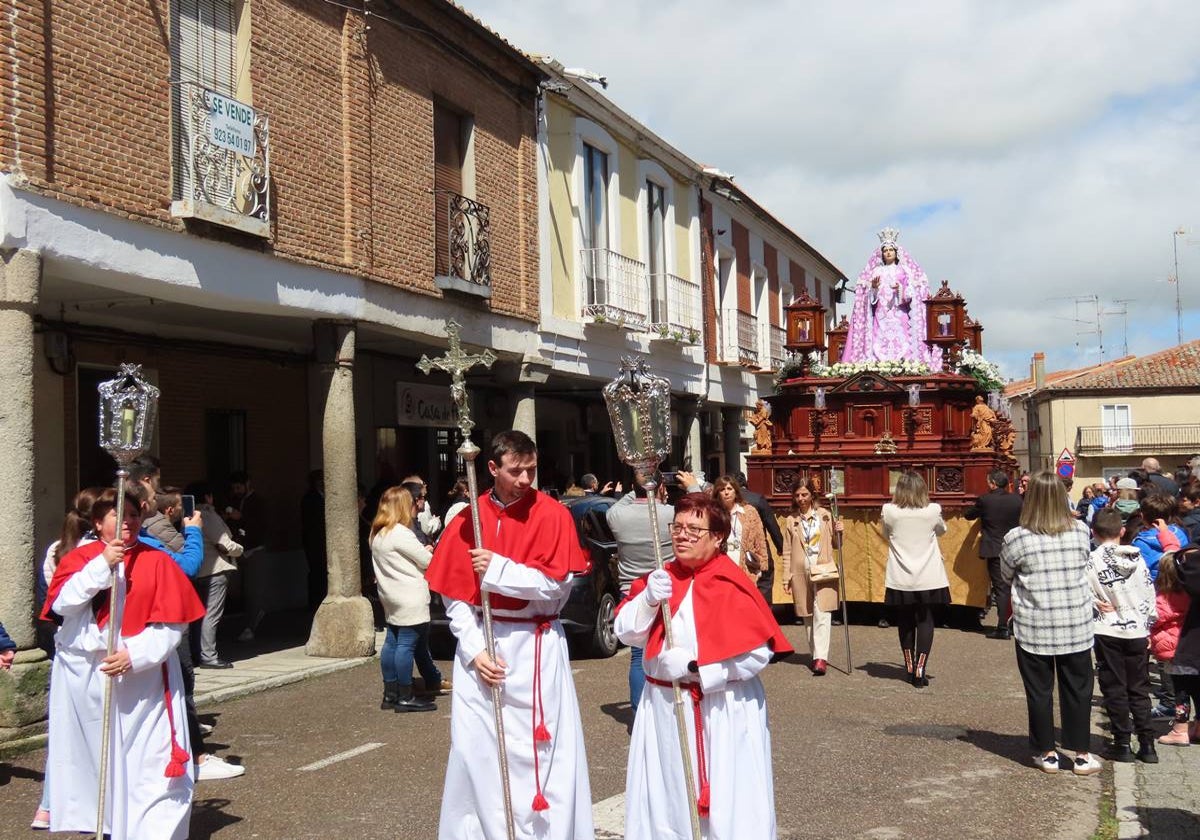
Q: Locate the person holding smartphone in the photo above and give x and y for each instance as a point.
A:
(221, 551)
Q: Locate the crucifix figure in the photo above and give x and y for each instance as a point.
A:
(457, 363)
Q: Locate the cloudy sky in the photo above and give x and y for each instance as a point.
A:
(1030, 151)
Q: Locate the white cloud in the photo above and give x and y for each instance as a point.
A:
(1067, 134)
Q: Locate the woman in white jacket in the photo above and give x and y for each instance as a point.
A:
(400, 562)
(916, 576)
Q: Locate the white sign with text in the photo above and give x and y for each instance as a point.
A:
(231, 124)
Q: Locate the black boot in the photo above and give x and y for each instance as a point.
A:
(391, 693)
(919, 680)
(409, 703)
(1119, 750)
(1146, 753)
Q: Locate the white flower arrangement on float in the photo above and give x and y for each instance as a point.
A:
(971, 364)
(986, 373)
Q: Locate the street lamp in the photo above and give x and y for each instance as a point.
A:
(1178, 306)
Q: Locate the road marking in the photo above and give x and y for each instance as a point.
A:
(608, 817)
(342, 756)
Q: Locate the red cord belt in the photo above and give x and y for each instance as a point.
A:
(697, 694)
(541, 734)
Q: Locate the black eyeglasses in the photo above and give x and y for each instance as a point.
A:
(690, 531)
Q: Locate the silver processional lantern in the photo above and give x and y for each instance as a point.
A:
(639, 406)
(128, 408)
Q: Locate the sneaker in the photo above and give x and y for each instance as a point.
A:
(1086, 765)
(41, 820)
(1046, 763)
(206, 728)
(1162, 710)
(217, 768)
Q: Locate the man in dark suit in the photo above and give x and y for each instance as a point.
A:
(771, 526)
(998, 511)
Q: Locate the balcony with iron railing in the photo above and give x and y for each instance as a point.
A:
(464, 247)
(674, 309)
(616, 290)
(739, 339)
(1182, 439)
(222, 162)
(771, 351)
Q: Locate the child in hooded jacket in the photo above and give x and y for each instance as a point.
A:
(1122, 620)
(1172, 604)
(1157, 536)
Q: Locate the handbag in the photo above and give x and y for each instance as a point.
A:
(823, 573)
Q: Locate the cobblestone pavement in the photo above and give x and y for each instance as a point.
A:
(1160, 800)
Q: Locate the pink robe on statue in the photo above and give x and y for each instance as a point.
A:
(887, 323)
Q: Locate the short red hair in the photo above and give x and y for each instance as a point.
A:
(706, 505)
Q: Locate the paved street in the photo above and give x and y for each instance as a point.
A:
(860, 756)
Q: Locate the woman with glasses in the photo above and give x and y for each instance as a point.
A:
(747, 544)
(1046, 559)
(723, 635)
(810, 575)
(400, 562)
(916, 578)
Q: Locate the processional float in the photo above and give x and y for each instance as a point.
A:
(128, 407)
(639, 406)
(457, 363)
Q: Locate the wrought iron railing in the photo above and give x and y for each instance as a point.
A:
(771, 347)
(739, 338)
(1183, 438)
(674, 308)
(222, 159)
(616, 289)
(469, 239)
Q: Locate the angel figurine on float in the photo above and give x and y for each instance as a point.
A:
(887, 323)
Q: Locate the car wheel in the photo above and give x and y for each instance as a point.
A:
(604, 638)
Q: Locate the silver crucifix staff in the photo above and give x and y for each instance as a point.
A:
(457, 363)
(128, 405)
(639, 406)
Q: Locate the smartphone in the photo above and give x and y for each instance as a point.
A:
(189, 506)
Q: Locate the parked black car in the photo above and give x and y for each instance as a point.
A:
(587, 617)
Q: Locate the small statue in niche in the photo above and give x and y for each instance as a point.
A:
(886, 444)
(985, 421)
(760, 419)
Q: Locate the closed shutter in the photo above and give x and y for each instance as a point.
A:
(447, 179)
(203, 52)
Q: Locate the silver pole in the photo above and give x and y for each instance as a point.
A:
(669, 640)
(469, 451)
(113, 620)
(1178, 305)
(841, 562)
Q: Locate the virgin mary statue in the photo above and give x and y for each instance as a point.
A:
(887, 323)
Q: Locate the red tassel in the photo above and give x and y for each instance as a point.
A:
(541, 733)
(540, 803)
(702, 801)
(178, 763)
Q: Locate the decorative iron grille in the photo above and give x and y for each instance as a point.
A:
(739, 338)
(617, 291)
(1181, 438)
(470, 240)
(674, 308)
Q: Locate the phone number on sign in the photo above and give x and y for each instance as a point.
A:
(245, 145)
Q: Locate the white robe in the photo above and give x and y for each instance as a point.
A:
(143, 804)
(472, 801)
(737, 742)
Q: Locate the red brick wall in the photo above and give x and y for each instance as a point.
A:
(272, 393)
(351, 122)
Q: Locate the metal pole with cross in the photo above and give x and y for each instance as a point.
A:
(456, 362)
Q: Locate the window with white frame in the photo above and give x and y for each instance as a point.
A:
(1116, 427)
(595, 223)
(220, 142)
(656, 240)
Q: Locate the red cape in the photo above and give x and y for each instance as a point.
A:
(731, 616)
(156, 589)
(535, 531)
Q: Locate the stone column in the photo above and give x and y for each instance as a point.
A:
(535, 370)
(732, 422)
(344, 626)
(689, 415)
(23, 689)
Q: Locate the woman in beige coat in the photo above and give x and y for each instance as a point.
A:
(810, 536)
(747, 543)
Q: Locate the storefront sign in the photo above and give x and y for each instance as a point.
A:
(230, 124)
(423, 405)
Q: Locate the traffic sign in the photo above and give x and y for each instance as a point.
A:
(1065, 457)
(1066, 469)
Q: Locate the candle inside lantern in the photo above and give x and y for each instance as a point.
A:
(127, 419)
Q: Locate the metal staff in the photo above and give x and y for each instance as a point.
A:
(639, 406)
(128, 405)
(457, 363)
(833, 506)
